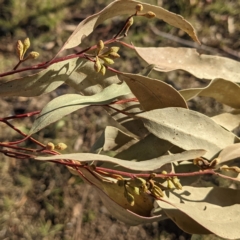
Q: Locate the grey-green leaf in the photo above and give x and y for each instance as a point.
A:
(66, 104)
(88, 82)
(205, 210)
(149, 165)
(153, 93)
(223, 91)
(147, 148)
(43, 82)
(126, 216)
(229, 153)
(188, 59)
(188, 129)
(119, 7)
(230, 120)
(112, 139)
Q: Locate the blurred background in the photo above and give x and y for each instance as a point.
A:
(43, 200)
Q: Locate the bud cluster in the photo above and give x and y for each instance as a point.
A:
(149, 14)
(59, 146)
(21, 49)
(173, 182)
(103, 58)
(138, 186)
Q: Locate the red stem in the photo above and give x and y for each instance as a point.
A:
(124, 101)
(20, 116)
(23, 134)
(16, 154)
(18, 148)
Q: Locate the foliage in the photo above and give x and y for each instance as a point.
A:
(159, 148)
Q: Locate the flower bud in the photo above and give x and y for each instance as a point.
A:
(100, 45)
(107, 60)
(97, 65)
(26, 45)
(137, 182)
(61, 146)
(33, 55)
(113, 49)
(149, 14)
(50, 146)
(170, 184)
(177, 183)
(139, 7)
(19, 49)
(157, 192)
(103, 70)
(113, 55)
(128, 25)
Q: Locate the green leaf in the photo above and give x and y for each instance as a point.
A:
(188, 59)
(149, 165)
(66, 104)
(222, 90)
(42, 82)
(152, 93)
(117, 8)
(205, 210)
(187, 129)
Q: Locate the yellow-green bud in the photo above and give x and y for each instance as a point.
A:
(107, 60)
(97, 65)
(50, 146)
(113, 55)
(113, 49)
(139, 7)
(100, 45)
(137, 182)
(149, 14)
(26, 45)
(61, 146)
(177, 183)
(33, 55)
(128, 25)
(19, 49)
(103, 70)
(170, 184)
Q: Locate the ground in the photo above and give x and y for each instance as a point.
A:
(43, 200)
